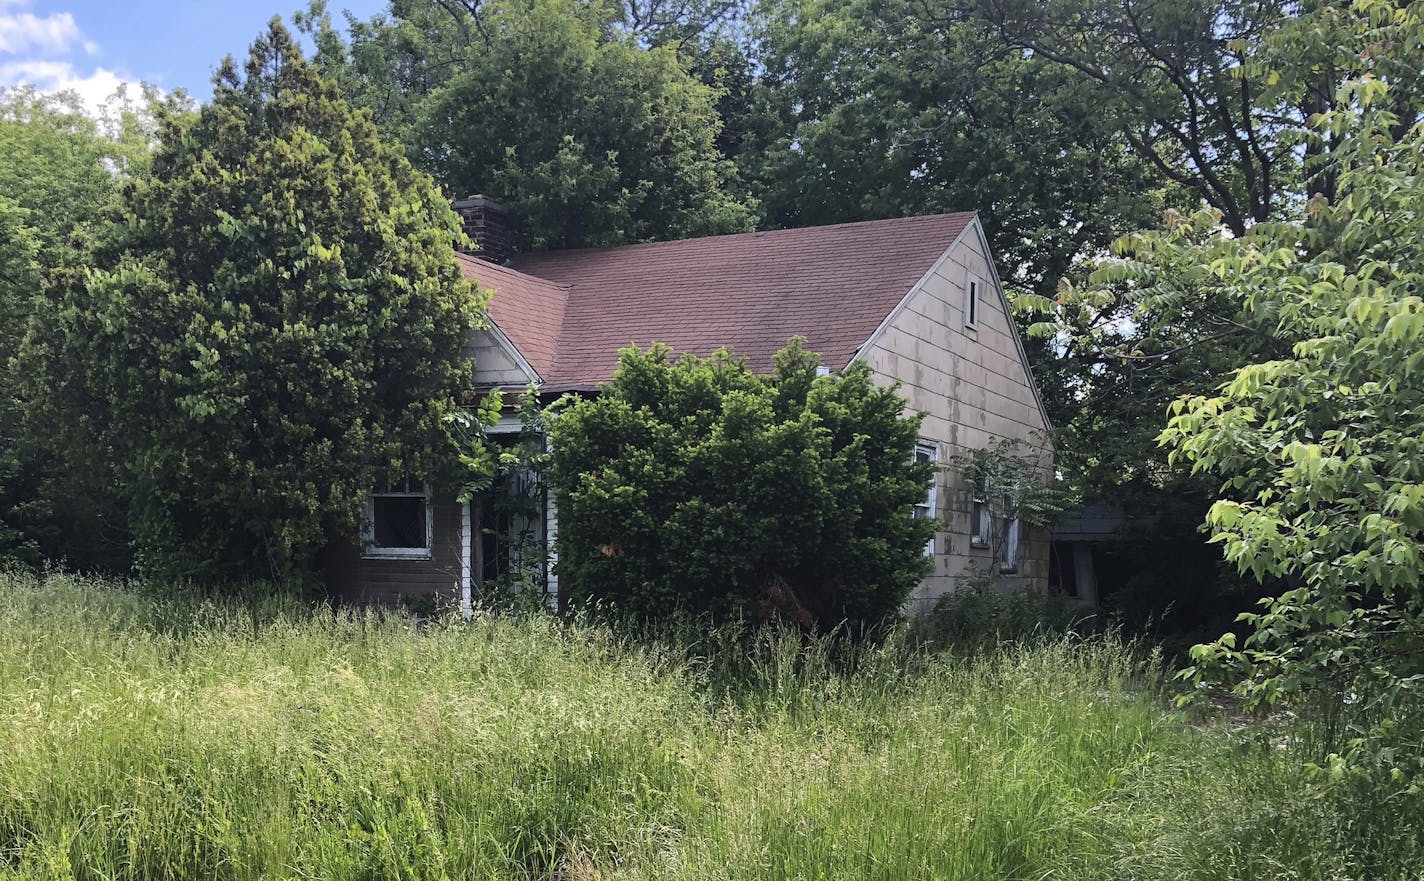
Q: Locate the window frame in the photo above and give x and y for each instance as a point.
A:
(372, 551)
(973, 293)
(1010, 547)
(981, 517)
(931, 502)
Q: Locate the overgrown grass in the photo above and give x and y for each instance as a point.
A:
(150, 738)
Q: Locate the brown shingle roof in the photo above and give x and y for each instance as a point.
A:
(529, 310)
(750, 292)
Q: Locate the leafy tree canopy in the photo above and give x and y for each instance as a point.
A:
(19, 283)
(694, 485)
(1312, 439)
(60, 167)
(1132, 339)
(62, 164)
(1177, 79)
(272, 325)
(1220, 97)
(873, 109)
(681, 22)
(550, 106)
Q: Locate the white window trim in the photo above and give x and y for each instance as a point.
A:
(371, 551)
(981, 517)
(973, 298)
(931, 502)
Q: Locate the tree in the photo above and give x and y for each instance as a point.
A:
(63, 165)
(549, 106)
(680, 22)
(694, 485)
(1128, 340)
(1317, 447)
(1217, 97)
(60, 169)
(271, 326)
(1214, 94)
(871, 109)
(53, 162)
(1176, 79)
(19, 282)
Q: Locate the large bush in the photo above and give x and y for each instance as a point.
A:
(694, 485)
(270, 325)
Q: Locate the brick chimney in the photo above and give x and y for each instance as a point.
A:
(486, 222)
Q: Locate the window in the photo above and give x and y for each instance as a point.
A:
(398, 523)
(980, 523)
(927, 451)
(973, 285)
(1009, 547)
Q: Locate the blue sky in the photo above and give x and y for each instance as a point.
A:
(92, 46)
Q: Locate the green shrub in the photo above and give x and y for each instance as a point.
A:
(696, 486)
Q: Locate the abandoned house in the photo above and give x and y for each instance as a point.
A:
(918, 299)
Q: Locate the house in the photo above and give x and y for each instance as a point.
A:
(918, 299)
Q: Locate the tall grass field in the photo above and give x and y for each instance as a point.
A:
(145, 736)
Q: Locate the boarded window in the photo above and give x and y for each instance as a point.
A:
(399, 522)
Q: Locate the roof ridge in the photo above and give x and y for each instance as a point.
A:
(758, 233)
(477, 263)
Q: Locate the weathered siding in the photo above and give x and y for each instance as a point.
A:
(494, 367)
(354, 578)
(974, 385)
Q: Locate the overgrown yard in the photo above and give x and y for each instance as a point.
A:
(144, 738)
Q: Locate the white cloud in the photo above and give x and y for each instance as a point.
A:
(93, 87)
(51, 34)
(41, 51)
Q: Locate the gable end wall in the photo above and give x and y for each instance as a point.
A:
(974, 387)
(494, 366)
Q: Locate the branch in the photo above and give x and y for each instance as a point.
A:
(1163, 356)
(462, 11)
(1196, 102)
(1206, 183)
